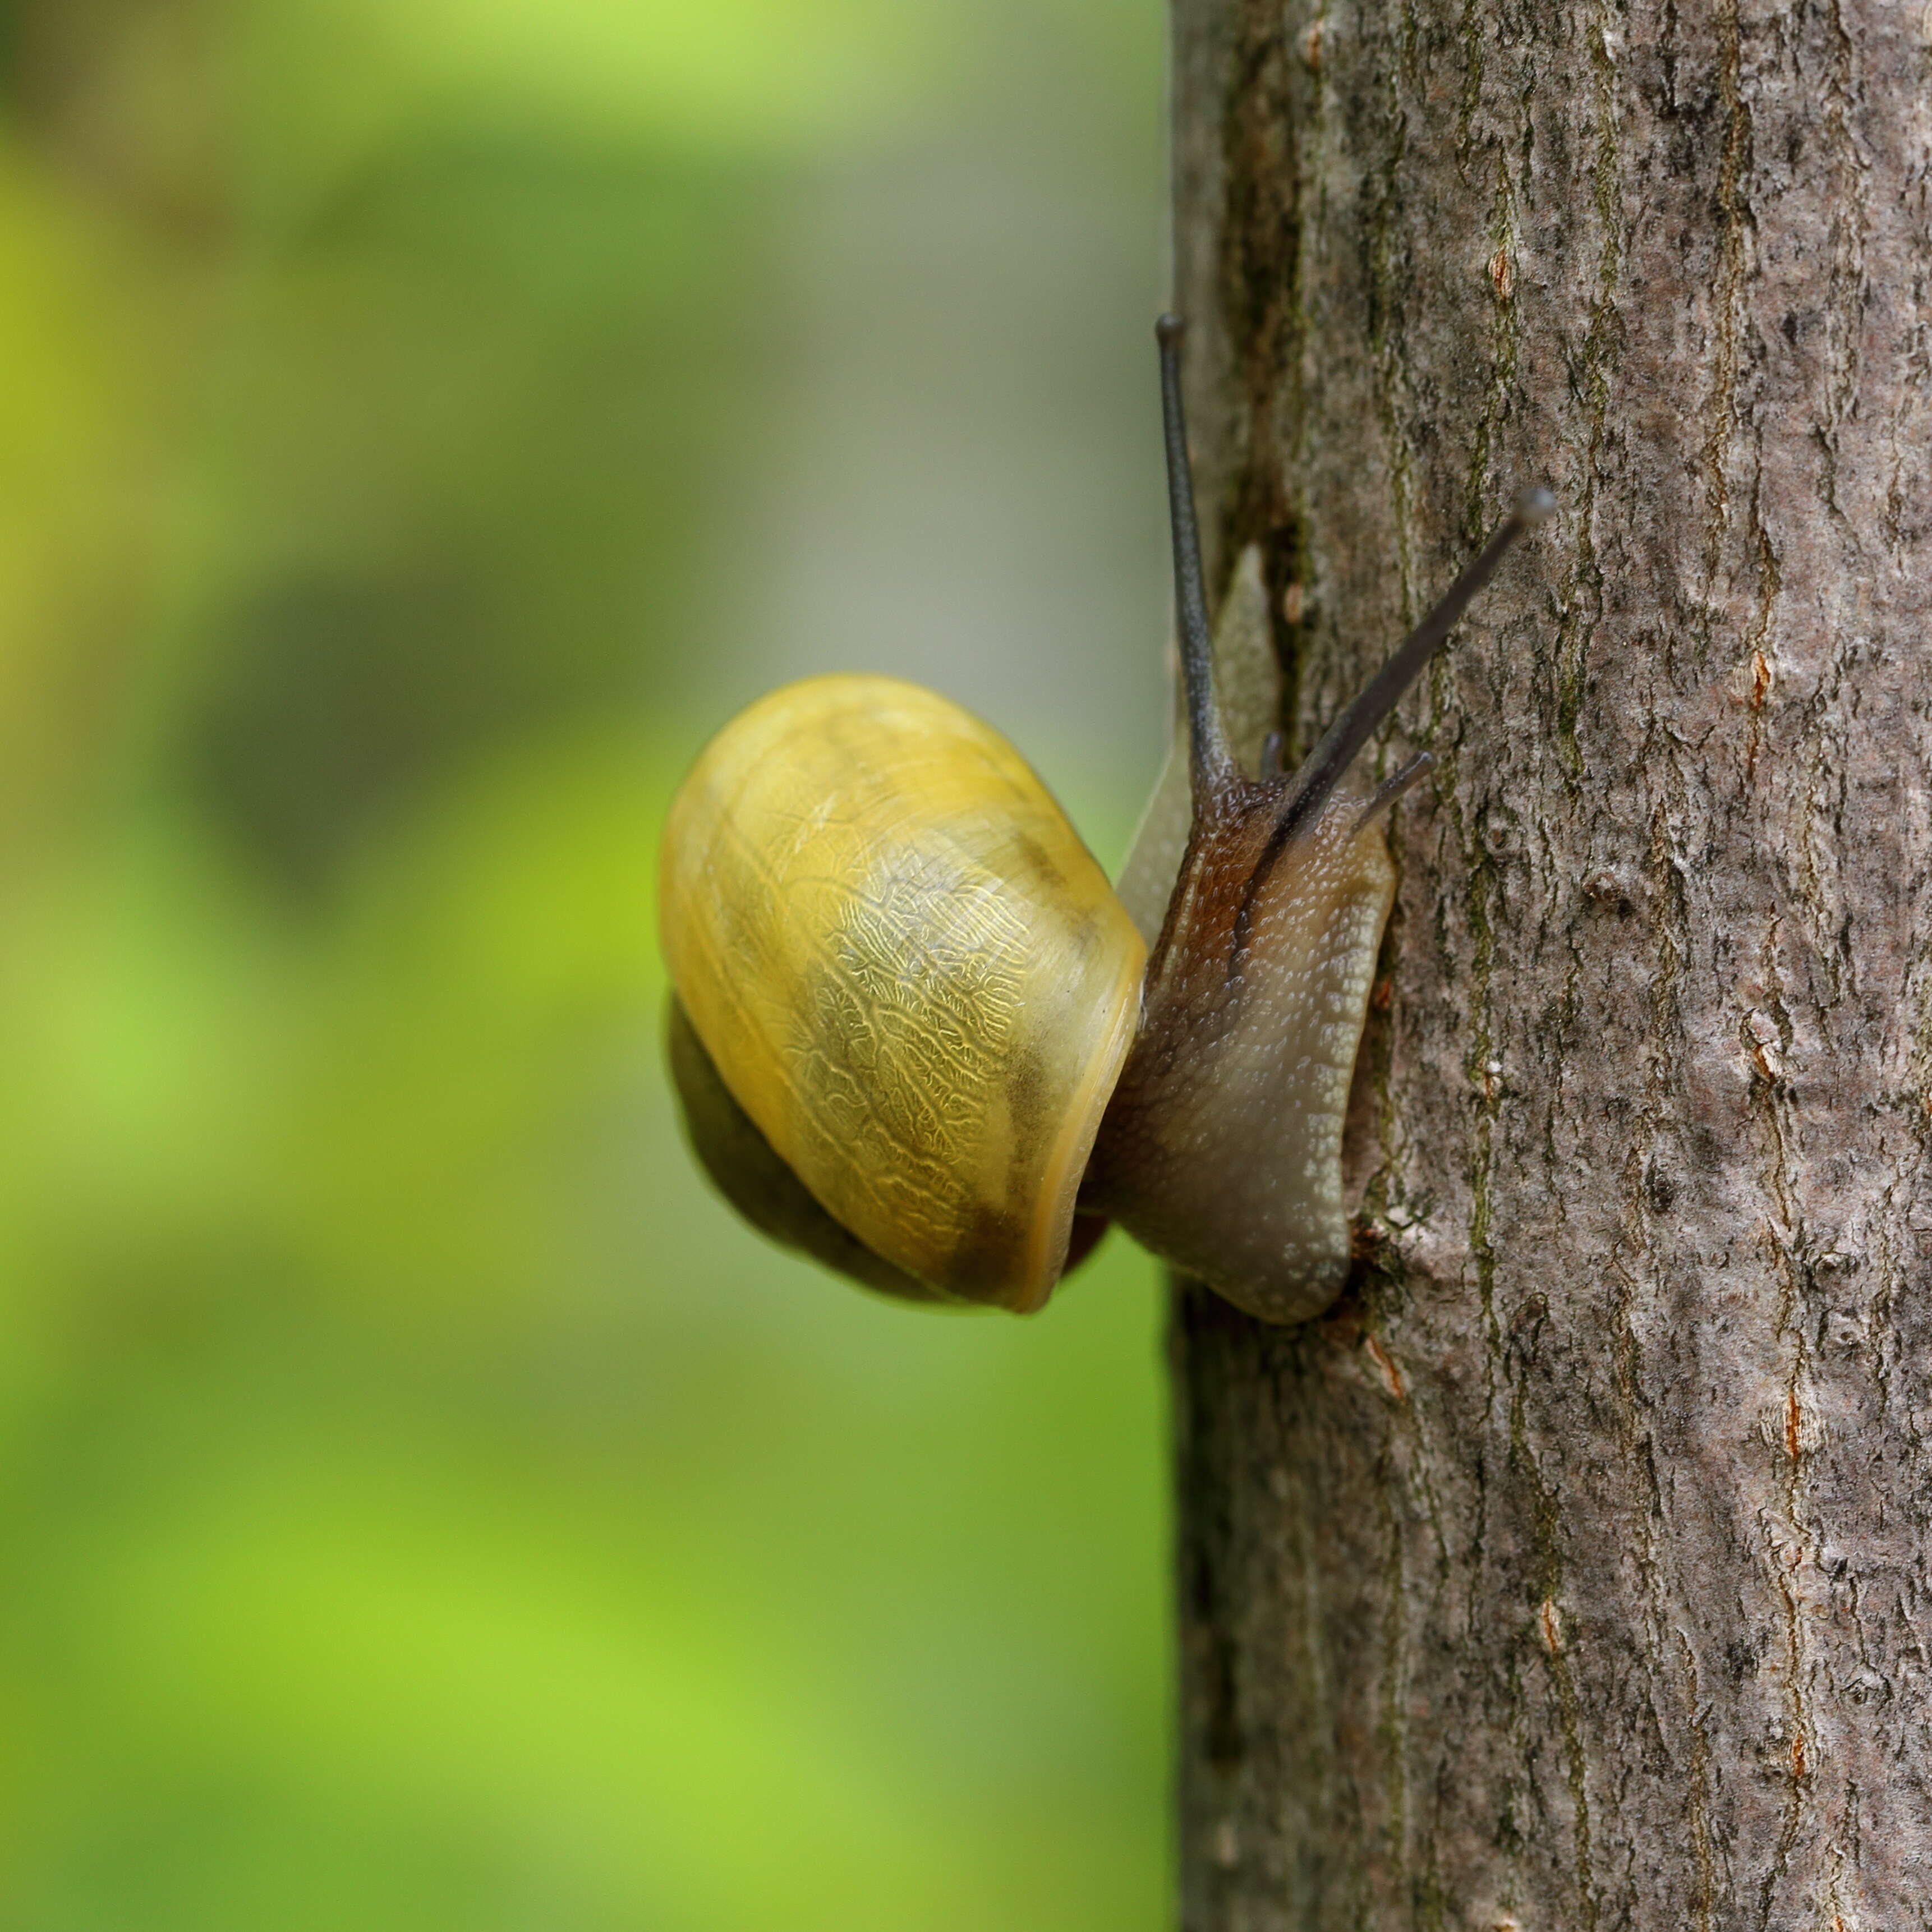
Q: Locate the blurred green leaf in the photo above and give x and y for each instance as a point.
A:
(426, 1507)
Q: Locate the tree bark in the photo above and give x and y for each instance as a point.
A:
(1571, 1573)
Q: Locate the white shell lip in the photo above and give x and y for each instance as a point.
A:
(1066, 1162)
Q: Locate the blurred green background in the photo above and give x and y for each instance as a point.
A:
(424, 421)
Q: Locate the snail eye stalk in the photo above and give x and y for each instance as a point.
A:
(1322, 769)
(1211, 763)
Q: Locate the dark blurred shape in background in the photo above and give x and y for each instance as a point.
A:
(424, 420)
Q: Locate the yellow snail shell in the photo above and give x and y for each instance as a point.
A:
(908, 970)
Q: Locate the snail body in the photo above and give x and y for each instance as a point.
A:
(1221, 1151)
(917, 1035)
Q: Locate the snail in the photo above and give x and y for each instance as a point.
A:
(917, 1034)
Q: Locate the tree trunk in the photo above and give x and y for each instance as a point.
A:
(1571, 1572)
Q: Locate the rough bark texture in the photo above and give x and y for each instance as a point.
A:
(1573, 1572)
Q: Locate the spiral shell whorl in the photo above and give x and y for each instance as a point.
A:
(909, 970)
